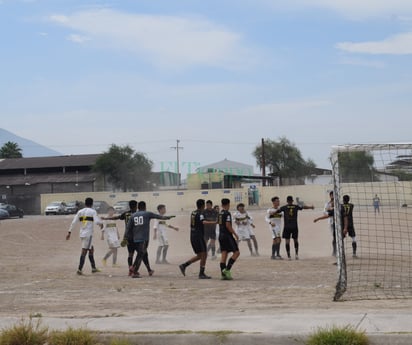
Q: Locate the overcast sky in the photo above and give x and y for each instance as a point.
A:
(218, 75)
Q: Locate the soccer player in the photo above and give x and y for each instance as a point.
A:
(112, 235)
(197, 240)
(376, 203)
(138, 228)
(274, 220)
(159, 228)
(244, 225)
(228, 241)
(347, 222)
(87, 217)
(329, 206)
(290, 226)
(210, 215)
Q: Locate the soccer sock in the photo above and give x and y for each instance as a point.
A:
(158, 253)
(277, 249)
(187, 263)
(222, 266)
(146, 262)
(91, 259)
(273, 249)
(202, 270)
(82, 260)
(354, 246)
(114, 256)
(287, 246)
(165, 248)
(296, 247)
(230, 263)
(130, 260)
(250, 246)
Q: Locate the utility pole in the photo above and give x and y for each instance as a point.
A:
(177, 148)
(263, 163)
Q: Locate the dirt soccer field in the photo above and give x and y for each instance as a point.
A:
(38, 275)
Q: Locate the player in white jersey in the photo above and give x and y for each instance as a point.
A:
(160, 233)
(112, 236)
(87, 217)
(274, 220)
(244, 228)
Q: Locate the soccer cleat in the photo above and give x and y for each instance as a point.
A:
(79, 272)
(183, 269)
(95, 270)
(273, 257)
(297, 257)
(104, 262)
(289, 258)
(227, 274)
(136, 275)
(151, 272)
(131, 270)
(204, 276)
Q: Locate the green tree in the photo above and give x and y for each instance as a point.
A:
(10, 150)
(124, 168)
(283, 159)
(357, 166)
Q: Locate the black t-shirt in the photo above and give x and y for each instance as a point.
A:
(346, 210)
(224, 217)
(196, 223)
(290, 215)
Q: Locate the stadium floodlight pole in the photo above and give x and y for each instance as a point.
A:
(177, 148)
(263, 163)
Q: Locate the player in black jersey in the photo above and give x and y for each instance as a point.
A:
(228, 240)
(290, 224)
(197, 239)
(346, 211)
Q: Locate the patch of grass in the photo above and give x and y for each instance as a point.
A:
(72, 337)
(120, 342)
(25, 333)
(338, 336)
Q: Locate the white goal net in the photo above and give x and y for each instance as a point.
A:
(375, 257)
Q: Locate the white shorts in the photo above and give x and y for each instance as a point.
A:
(162, 240)
(243, 234)
(113, 243)
(276, 231)
(86, 242)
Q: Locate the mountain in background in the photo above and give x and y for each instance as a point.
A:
(29, 148)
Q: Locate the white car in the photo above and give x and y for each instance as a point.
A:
(121, 206)
(56, 207)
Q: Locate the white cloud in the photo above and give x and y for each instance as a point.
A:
(353, 9)
(163, 40)
(78, 38)
(400, 44)
(362, 62)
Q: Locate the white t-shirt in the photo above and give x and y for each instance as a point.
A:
(87, 217)
(110, 230)
(274, 219)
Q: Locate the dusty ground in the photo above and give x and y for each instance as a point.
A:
(37, 270)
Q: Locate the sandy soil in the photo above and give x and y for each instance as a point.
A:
(38, 275)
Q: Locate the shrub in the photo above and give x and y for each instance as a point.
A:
(25, 333)
(72, 337)
(338, 336)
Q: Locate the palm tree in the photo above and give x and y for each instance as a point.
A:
(10, 150)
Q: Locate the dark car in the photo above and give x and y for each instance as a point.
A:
(4, 214)
(72, 207)
(100, 206)
(13, 210)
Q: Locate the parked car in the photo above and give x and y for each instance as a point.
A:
(121, 206)
(100, 206)
(55, 207)
(4, 214)
(13, 210)
(73, 207)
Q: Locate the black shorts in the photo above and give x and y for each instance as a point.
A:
(351, 232)
(210, 232)
(228, 243)
(290, 232)
(198, 243)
